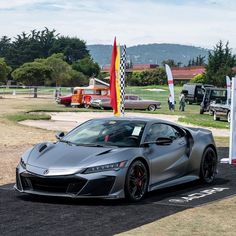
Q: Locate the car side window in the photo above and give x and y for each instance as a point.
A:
(133, 98)
(162, 130)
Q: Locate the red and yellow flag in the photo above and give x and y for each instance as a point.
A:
(114, 79)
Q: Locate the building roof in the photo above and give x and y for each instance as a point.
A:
(187, 72)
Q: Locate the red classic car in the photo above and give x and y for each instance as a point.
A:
(64, 100)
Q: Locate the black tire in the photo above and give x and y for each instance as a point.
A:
(201, 111)
(86, 105)
(208, 166)
(229, 117)
(152, 107)
(136, 182)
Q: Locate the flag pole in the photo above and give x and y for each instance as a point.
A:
(122, 80)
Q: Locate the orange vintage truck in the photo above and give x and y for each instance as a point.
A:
(82, 96)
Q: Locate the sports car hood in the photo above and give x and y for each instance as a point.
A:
(63, 159)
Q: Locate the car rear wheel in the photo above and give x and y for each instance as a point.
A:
(86, 105)
(136, 182)
(229, 117)
(208, 166)
(152, 107)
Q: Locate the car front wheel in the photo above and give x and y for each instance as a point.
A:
(152, 107)
(208, 166)
(136, 182)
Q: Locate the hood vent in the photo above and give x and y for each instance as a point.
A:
(105, 152)
(41, 148)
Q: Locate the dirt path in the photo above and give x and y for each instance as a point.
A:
(65, 121)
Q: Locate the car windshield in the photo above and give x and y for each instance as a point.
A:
(100, 133)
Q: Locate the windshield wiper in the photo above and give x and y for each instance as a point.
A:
(66, 141)
(94, 145)
(90, 145)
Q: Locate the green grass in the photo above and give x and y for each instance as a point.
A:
(204, 120)
(27, 116)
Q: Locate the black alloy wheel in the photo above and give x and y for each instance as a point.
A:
(136, 181)
(208, 166)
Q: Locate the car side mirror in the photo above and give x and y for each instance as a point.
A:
(163, 141)
(60, 135)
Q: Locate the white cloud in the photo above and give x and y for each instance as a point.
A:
(201, 23)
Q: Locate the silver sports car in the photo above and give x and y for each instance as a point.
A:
(117, 158)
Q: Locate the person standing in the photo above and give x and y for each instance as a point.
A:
(170, 103)
(181, 101)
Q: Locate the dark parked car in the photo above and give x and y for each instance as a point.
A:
(212, 94)
(194, 92)
(131, 102)
(220, 111)
(116, 158)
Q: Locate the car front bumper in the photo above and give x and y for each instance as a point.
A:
(109, 184)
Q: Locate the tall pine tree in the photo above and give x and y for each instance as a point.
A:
(220, 63)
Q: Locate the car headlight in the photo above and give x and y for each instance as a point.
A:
(113, 166)
(22, 163)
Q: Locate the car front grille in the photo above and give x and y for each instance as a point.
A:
(52, 184)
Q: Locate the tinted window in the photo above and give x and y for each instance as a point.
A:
(133, 98)
(163, 130)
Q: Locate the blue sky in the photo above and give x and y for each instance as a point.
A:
(199, 23)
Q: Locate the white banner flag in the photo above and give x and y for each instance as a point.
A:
(232, 144)
(228, 86)
(170, 83)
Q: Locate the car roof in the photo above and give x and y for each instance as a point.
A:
(215, 88)
(146, 119)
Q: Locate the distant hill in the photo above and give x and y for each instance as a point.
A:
(149, 53)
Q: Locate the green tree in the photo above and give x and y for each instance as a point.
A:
(220, 63)
(153, 77)
(60, 69)
(198, 61)
(32, 73)
(4, 71)
(87, 66)
(199, 78)
(28, 46)
(171, 63)
(73, 48)
(76, 79)
(5, 44)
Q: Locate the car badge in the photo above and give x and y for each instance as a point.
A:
(46, 172)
